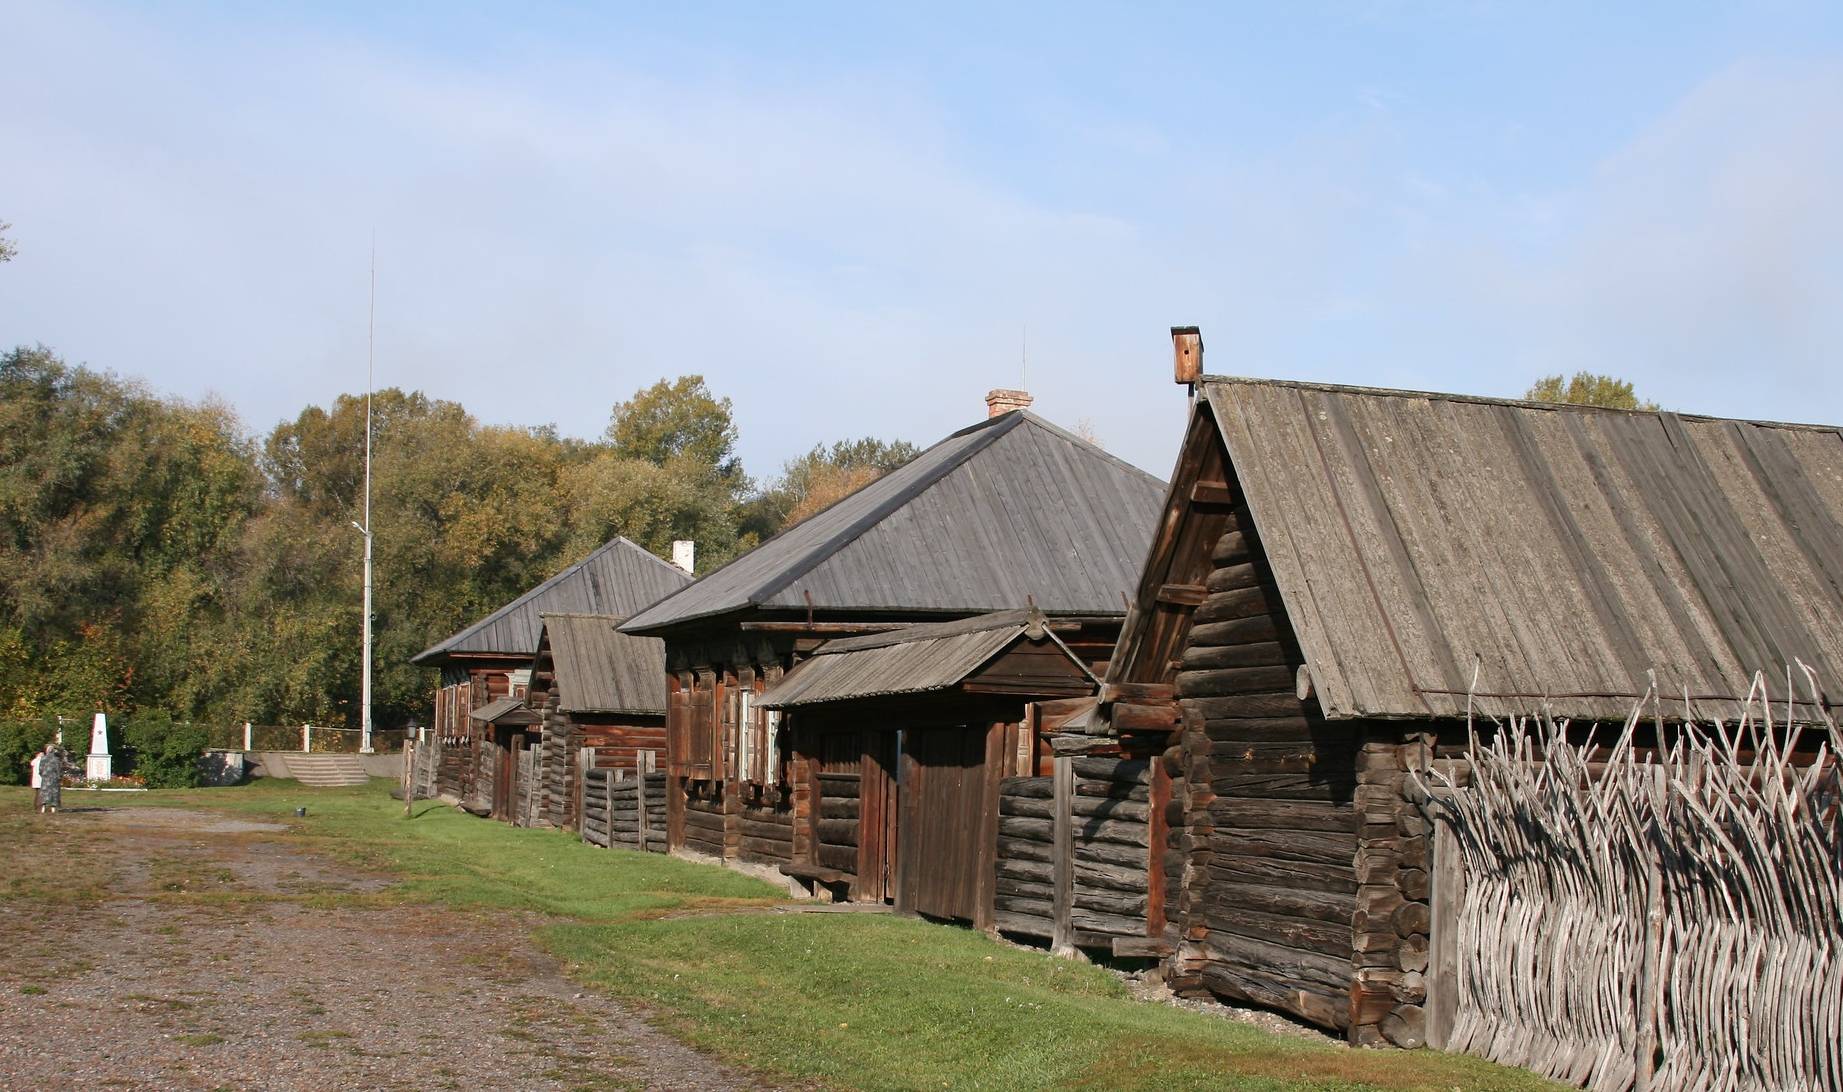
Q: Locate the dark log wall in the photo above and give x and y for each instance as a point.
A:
(836, 826)
(1024, 892)
(1111, 812)
(1304, 861)
(704, 817)
(765, 824)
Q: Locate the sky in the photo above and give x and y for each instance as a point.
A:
(856, 219)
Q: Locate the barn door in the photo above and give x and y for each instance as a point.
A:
(878, 807)
(942, 833)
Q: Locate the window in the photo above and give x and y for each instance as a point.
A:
(771, 749)
(746, 745)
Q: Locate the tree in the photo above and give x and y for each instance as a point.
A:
(7, 249)
(677, 419)
(1587, 389)
(812, 482)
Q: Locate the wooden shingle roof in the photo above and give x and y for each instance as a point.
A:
(1531, 555)
(1011, 510)
(600, 670)
(619, 578)
(913, 660)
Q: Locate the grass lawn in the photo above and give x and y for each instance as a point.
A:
(845, 1000)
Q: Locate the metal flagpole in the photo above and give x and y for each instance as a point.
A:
(371, 326)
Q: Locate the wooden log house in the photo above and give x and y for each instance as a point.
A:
(596, 688)
(1341, 575)
(491, 659)
(902, 741)
(1010, 511)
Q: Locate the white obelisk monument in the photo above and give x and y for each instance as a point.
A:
(99, 767)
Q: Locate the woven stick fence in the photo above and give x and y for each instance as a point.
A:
(1670, 919)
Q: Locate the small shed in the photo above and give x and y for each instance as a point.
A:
(599, 693)
(899, 742)
(509, 727)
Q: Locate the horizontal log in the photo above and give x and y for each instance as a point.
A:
(1089, 830)
(1265, 729)
(1137, 693)
(840, 857)
(1021, 849)
(1026, 806)
(1279, 963)
(1235, 576)
(755, 828)
(833, 807)
(1331, 785)
(1132, 770)
(1322, 1006)
(1040, 788)
(1282, 900)
(1105, 923)
(1319, 815)
(1110, 807)
(1320, 937)
(1030, 925)
(1025, 871)
(1238, 631)
(766, 849)
(1234, 546)
(1023, 889)
(842, 832)
(1325, 847)
(1112, 853)
(1229, 606)
(1303, 875)
(1130, 904)
(1042, 907)
(1143, 718)
(1110, 877)
(840, 785)
(1276, 703)
(1035, 830)
(1117, 790)
(1259, 654)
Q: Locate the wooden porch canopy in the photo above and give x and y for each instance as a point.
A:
(511, 712)
(1010, 652)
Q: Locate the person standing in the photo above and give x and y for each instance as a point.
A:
(50, 778)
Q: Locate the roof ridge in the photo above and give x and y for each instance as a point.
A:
(1063, 433)
(506, 608)
(900, 499)
(1489, 400)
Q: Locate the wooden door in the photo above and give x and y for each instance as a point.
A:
(942, 853)
(878, 807)
(505, 768)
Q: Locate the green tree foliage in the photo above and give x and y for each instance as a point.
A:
(7, 249)
(1587, 389)
(157, 563)
(813, 481)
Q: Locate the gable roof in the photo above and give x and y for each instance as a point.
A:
(600, 670)
(619, 578)
(1563, 554)
(1011, 510)
(912, 660)
(509, 709)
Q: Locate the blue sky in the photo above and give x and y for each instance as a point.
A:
(848, 218)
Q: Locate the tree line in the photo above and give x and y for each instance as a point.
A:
(158, 560)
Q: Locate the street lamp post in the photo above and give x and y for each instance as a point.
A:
(371, 327)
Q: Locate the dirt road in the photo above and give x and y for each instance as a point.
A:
(160, 948)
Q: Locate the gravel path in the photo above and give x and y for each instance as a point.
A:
(210, 953)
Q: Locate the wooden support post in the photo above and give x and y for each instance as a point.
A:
(1063, 869)
(1443, 937)
(409, 776)
(640, 830)
(585, 764)
(1650, 988)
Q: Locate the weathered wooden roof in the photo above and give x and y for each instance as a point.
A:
(601, 670)
(619, 578)
(1537, 555)
(510, 709)
(913, 660)
(1011, 510)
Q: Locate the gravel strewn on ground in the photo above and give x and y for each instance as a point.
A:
(210, 953)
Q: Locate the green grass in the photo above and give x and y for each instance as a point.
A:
(865, 1001)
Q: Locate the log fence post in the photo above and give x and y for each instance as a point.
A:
(249, 736)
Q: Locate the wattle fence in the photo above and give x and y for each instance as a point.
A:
(1655, 920)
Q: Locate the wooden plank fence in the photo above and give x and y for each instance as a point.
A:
(622, 807)
(1624, 920)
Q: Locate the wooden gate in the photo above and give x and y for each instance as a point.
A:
(947, 834)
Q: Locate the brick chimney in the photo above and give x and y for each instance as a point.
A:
(1004, 401)
(684, 555)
